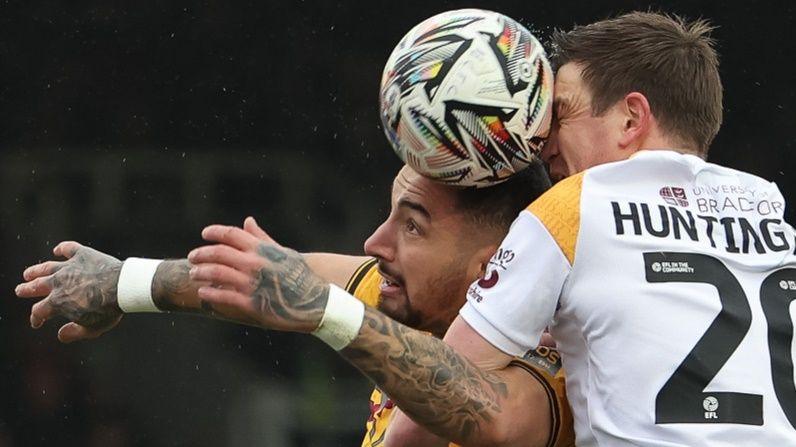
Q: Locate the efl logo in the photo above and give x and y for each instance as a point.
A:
(674, 196)
(710, 404)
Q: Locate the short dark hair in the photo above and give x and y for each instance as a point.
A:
(669, 60)
(495, 207)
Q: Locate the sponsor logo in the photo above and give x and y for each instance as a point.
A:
(489, 280)
(500, 261)
(674, 196)
(473, 293)
(502, 258)
(671, 267)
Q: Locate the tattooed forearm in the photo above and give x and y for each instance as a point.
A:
(172, 287)
(173, 290)
(426, 378)
(289, 291)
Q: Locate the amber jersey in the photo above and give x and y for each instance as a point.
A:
(544, 364)
(668, 283)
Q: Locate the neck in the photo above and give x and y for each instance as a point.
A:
(656, 141)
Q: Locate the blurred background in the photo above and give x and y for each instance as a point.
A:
(129, 126)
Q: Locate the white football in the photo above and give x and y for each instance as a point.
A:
(466, 97)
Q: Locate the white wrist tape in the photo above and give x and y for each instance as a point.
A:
(134, 290)
(341, 320)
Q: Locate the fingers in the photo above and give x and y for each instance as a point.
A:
(232, 236)
(67, 249)
(37, 288)
(223, 297)
(223, 254)
(71, 332)
(41, 312)
(219, 274)
(43, 269)
(251, 227)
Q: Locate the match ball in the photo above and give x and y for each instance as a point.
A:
(466, 98)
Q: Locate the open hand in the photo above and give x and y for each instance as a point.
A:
(81, 289)
(270, 283)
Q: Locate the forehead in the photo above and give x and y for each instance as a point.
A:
(569, 86)
(411, 186)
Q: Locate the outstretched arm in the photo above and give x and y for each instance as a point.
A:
(429, 380)
(83, 288)
(173, 290)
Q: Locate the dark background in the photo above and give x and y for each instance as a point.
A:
(129, 126)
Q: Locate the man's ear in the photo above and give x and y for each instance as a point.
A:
(637, 119)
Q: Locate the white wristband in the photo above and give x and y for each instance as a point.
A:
(341, 320)
(134, 289)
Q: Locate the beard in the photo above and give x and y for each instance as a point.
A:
(433, 306)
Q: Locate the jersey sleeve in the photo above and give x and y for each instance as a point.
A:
(365, 283)
(544, 365)
(518, 295)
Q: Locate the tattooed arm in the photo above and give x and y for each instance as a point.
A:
(437, 387)
(82, 288)
(443, 391)
(173, 289)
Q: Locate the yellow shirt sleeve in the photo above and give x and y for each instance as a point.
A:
(365, 283)
(544, 364)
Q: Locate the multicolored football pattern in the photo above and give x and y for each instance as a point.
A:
(466, 97)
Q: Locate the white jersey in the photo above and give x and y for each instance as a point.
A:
(668, 283)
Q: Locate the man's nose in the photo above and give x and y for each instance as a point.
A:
(550, 148)
(380, 243)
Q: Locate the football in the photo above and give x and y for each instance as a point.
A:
(466, 97)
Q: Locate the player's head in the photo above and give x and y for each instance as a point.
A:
(639, 81)
(438, 239)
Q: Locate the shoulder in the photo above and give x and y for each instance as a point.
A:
(365, 283)
(558, 210)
